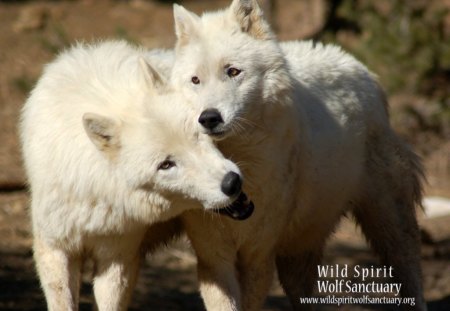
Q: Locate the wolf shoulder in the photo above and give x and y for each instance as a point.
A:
(334, 80)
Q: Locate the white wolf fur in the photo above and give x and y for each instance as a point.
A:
(108, 151)
(309, 126)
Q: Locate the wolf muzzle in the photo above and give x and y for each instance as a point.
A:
(240, 209)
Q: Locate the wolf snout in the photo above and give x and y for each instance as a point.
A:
(231, 184)
(210, 118)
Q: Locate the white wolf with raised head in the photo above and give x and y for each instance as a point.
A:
(308, 125)
(108, 149)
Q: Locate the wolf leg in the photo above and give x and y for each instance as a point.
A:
(297, 274)
(255, 278)
(216, 255)
(219, 286)
(59, 274)
(117, 265)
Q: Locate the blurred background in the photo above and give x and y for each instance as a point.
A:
(405, 42)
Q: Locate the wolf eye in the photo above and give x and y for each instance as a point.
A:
(166, 164)
(195, 80)
(233, 72)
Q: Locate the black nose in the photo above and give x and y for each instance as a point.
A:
(231, 184)
(210, 118)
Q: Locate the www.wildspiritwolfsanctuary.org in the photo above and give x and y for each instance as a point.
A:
(360, 283)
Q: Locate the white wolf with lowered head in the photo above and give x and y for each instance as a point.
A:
(109, 149)
(309, 125)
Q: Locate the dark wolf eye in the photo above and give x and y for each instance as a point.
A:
(195, 80)
(166, 164)
(233, 72)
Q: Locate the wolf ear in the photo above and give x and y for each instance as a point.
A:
(185, 23)
(103, 131)
(152, 77)
(250, 17)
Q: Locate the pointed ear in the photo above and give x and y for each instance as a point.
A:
(103, 132)
(185, 23)
(152, 76)
(250, 17)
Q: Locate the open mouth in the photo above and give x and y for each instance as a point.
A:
(240, 209)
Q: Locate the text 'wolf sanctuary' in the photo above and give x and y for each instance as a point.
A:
(363, 285)
(340, 285)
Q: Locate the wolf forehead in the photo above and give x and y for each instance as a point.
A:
(109, 78)
(173, 124)
(208, 44)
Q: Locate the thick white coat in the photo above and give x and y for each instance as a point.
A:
(308, 125)
(108, 149)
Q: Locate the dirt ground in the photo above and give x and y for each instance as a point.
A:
(33, 32)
